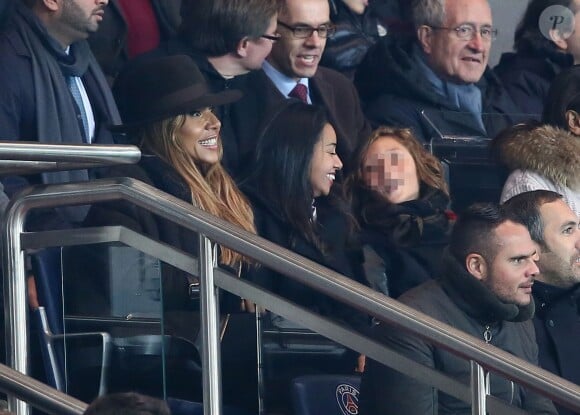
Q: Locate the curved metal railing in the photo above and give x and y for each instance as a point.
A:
(288, 263)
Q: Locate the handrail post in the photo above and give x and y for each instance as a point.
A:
(209, 330)
(478, 389)
(15, 300)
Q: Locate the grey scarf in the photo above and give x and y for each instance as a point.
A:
(54, 104)
(466, 97)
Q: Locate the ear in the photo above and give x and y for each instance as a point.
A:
(425, 38)
(476, 266)
(558, 39)
(573, 121)
(242, 48)
(52, 5)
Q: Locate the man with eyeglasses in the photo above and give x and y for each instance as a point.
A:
(292, 71)
(438, 82)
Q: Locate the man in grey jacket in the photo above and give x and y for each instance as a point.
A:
(486, 291)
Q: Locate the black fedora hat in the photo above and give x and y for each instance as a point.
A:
(164, 87)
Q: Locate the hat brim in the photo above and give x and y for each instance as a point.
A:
(207, 100)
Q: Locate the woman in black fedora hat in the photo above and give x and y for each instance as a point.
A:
(167, 110)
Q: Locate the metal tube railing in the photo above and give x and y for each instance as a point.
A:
(33, 157)
(26, 158)
(286, 262)
(45, 398)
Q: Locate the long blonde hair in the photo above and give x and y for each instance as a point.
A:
(212, 188)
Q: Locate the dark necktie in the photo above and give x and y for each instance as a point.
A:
(300, 91)
(76, 93)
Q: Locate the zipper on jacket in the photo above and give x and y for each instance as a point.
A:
(487, 334)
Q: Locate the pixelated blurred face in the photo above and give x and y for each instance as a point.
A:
(389, 169)
(79, 18)
(261, 47)
(357, 6)
(325, 163)
(455, 59)
(560, 258)
(295, 57)
(200, 136)
(513, 270)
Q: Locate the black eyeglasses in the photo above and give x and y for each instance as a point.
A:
(303, 31)
(274, 38)
(467, 31)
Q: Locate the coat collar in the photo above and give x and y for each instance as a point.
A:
(548, 151)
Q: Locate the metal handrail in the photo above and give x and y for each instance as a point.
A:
(43, 397)
(20, 157)
(270, 255)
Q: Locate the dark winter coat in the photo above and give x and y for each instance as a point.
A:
(557, 323)
(340, 255)
(462, 301)
(19, 114)
(409, 237)
(395, 92)
(355, 34)
(527, 79)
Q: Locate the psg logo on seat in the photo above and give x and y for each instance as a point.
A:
(347, 399)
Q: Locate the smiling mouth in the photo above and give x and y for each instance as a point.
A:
(470, 59)
(208, 142)
(309, 59)
(331, 177)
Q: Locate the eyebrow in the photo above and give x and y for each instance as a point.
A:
(328, 22)
(517, 257)
(569, 223)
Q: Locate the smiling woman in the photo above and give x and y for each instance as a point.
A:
(297, 206)
(166, 106)
(167, 109)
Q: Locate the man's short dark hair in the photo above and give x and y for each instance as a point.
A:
(130, 403)
(215, 27)
(474, 231)
(527, 206)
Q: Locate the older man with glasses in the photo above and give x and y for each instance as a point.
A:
(438, 82)
(292, 71)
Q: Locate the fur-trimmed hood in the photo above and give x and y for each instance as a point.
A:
(552, 152)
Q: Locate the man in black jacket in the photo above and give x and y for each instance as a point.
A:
(485, 291)
(556, 291)
(437, 82)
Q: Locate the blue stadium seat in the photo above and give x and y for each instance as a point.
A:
(325, 395)
(182, 407)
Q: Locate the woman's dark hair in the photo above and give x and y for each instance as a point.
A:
(528, 38)
(283, 158)
(563, 95)
(129, 403)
